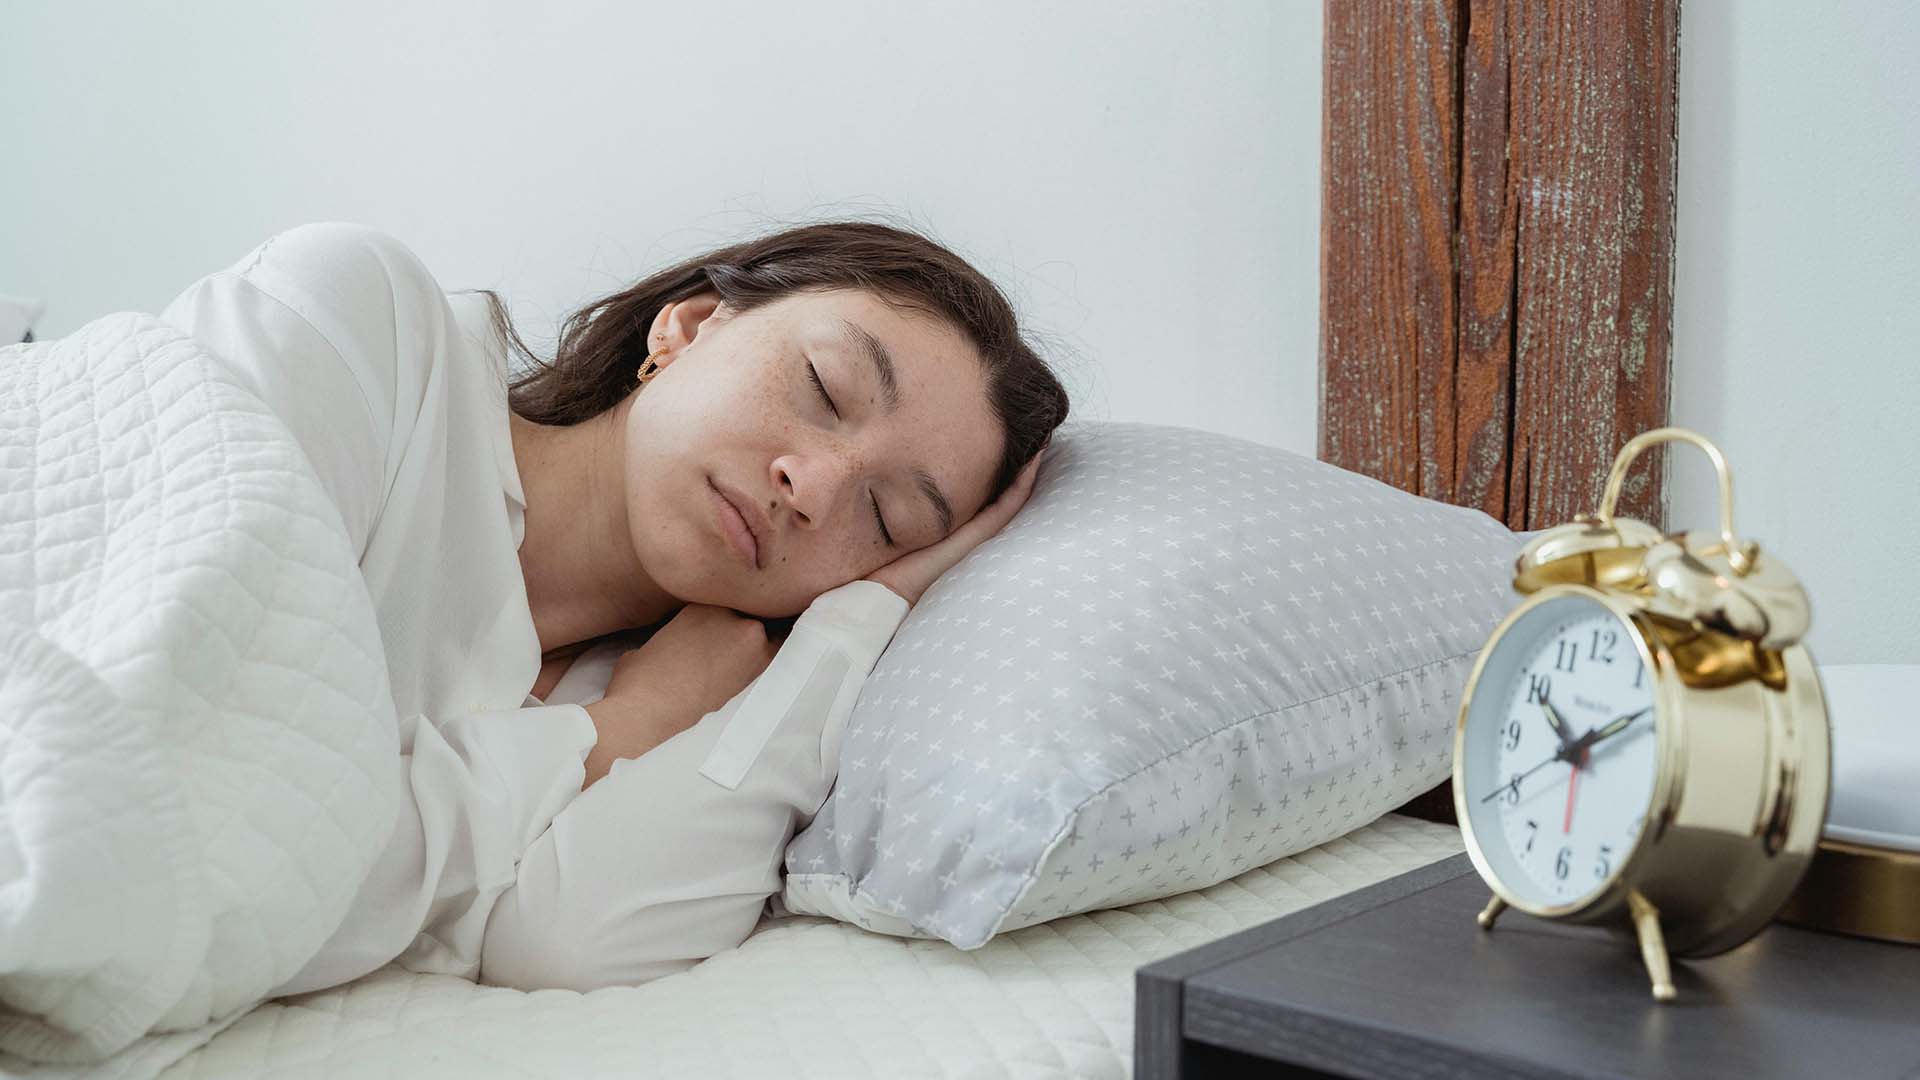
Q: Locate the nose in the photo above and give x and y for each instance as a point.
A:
(812, 484)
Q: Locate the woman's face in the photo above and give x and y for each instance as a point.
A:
(734, 407)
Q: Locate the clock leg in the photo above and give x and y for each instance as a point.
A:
(1653, 945)
(1491, 912)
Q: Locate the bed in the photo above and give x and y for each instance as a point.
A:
(811, 997)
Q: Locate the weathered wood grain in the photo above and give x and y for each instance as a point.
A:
(1489, 221)
(1386, 241)
(1497, 251)
(1591, 144)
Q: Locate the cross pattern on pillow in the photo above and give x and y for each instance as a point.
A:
(1187, 655)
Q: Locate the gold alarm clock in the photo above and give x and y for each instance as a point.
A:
(1643, 742)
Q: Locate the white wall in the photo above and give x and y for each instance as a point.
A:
(1141, 177)
(1797, 301)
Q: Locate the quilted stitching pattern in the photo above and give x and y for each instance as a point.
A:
(198, 751)
(808, 997)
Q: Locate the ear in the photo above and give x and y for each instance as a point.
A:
(679, 322)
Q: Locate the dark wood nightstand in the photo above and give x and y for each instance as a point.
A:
(1396, 980)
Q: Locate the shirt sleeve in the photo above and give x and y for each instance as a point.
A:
(333, 325)
(479, 789)
(670, 858)
(300, 320)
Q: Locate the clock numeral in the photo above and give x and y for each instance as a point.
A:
(1533, 830)
(1513, 734)
(1512, 790)
(1594, 652)
(1601, 870)
(1639, 673)
(1538, 687)
(1560, 864)
(1566, 653)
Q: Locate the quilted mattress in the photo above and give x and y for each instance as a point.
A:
(810, 997)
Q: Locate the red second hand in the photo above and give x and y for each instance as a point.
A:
(1573, 783)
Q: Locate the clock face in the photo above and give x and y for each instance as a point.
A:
(1559, 751)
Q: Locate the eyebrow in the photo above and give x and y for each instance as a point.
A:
(876, 353)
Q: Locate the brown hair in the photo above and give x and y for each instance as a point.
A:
(603, 344)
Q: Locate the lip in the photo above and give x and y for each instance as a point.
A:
(736, 525)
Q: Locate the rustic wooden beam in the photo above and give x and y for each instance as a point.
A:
(1387, 182)
(1591, 140)
(1497, 250)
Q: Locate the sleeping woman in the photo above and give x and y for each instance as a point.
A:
(627, 600)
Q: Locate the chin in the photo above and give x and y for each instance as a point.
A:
(761, 608)
(720, 591)
(776, 607)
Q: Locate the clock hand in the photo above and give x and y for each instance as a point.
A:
(1617, 725)
(1559, 726)
(1515, 782)
(1613, 727)
(1573, 785)
(1572, 751)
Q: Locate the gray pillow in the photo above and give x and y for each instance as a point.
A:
(1187, 656)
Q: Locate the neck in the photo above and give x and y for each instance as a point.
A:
(583, 577)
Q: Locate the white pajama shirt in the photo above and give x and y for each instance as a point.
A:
(499, 867)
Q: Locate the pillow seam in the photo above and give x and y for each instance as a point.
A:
(853, 889)
(1033, 873)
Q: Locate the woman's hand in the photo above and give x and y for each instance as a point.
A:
(915, 572)
(691, 666)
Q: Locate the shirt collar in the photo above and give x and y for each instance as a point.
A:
(470, 313)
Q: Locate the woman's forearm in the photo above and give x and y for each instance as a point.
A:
(624, 731)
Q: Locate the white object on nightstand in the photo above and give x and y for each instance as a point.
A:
(1876, 753)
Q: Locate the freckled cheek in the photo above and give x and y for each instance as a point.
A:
(832, 571)
(869, 561)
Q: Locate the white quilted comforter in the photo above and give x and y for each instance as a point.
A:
(198, 750)
(806, 997)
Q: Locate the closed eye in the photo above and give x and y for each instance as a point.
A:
(822, 387)
(814, 374)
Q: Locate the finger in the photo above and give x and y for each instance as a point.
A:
(1032, 471)
(991, 517)
(1012, 499)
(1022, 485)
(1022, 481)
(994, 518)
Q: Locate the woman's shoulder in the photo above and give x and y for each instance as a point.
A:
(342, 330)
(349, 241)
(341, 270)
